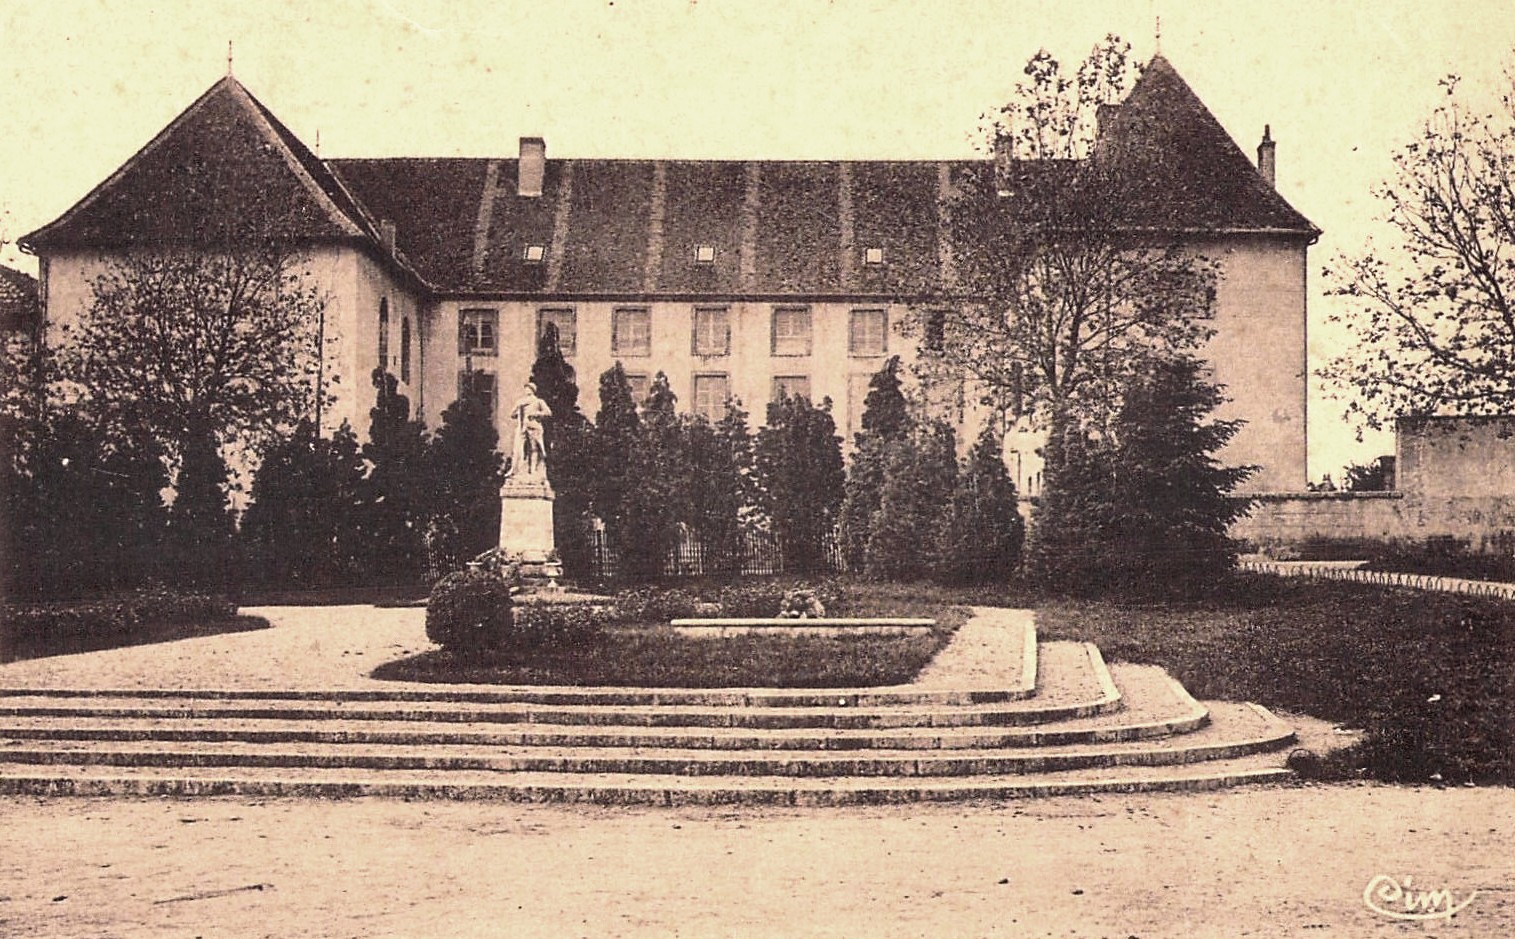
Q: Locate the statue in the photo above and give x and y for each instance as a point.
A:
(528, 459)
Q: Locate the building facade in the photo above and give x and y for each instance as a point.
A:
(737, 279)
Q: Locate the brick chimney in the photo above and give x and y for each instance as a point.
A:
(1266, 164)
(532, 166)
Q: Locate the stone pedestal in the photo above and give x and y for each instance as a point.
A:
(526, 520)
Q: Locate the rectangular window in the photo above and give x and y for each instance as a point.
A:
(791, 330)
(478, 332)
(868, 332)
(631, 331)
(567, 323)
(480, 385)
(791, 386)
(712, 330)
(711, 392)
(640, 385)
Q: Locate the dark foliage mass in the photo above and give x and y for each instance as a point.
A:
(1429, 676)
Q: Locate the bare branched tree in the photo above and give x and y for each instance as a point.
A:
(1061, 289)
(1432, 307)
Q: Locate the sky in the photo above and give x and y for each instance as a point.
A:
(85, 83)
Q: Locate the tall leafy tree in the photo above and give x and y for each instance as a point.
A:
(189, 343)
(1431, 306)
(1062, 289)
(798, 463)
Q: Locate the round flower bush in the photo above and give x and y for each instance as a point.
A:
(470, 610)
(801, 603)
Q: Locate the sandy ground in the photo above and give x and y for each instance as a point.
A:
(1275, 861)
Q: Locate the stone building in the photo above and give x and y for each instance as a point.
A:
(736, 278)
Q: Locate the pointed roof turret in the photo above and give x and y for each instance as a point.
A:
(1188, 174)
(234, 171)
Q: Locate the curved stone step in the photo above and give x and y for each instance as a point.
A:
(1085, 689)
(1235, 730)
(1153, 705)
(616, 789)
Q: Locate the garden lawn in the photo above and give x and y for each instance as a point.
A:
(651, 655)
(1429, 676)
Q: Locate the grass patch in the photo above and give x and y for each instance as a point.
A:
(16, 645)
(1430, 677)
(648, 654)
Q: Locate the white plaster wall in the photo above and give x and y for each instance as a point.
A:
(1258, 353)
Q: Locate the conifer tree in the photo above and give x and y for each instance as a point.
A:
(617, 433)
(658, 487)
(466, 469)
(983, 532)
(886, 418)
(798, 462)
(1174, 496)
(395, 505)
(571, 465)
(721, 490)
(920, 473)
(200, 522)
(298, 528)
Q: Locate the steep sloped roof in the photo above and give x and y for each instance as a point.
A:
(632, 227)
(621, 227)
(233, 170)
(1189, 175)
(19, 309)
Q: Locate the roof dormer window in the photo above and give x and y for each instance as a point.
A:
(873, 255)
(533, 254)
(704, 254)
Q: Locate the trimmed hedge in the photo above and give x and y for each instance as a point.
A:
(103, 623)
(470, 611)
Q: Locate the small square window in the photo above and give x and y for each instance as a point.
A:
(534, 254)
(873, 255)
(631, 332)
(704, 254)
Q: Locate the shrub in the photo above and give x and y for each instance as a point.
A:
(559, 624)
(654, 604)
(106, 622)
(470, 611)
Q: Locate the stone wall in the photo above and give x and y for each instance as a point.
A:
(1295, 518)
